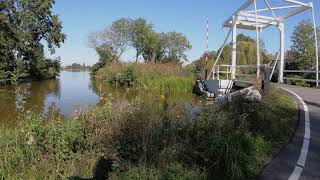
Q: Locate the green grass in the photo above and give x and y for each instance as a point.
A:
(145, 143)
(154, 78)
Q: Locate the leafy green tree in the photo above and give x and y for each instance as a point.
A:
(303, 46)
(246, 55)
(243, 38)
(175, 47)
(24, 26)
(106, 56)
(141, 34)
(246, 52)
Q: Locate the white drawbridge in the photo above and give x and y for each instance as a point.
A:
(250, 17)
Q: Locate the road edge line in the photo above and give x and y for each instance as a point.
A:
(295, 175)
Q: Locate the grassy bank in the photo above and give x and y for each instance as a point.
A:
(133, 141)
(155, 78)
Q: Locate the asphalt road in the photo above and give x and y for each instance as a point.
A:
(300, 159)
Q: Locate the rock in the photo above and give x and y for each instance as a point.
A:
(249, 94)
(253, 95)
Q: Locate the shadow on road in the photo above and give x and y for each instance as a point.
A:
(312, 103)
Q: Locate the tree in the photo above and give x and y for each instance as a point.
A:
(152, 47)
(111, 43)
(117, 37)
(105, 56)
(246, 54)
(141, 34)
(303, 46)
(24, 25)
(175, 47)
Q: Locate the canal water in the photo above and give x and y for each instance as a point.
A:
(65, 95)
(72, 92)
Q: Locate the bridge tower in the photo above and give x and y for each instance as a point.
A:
(250, 17)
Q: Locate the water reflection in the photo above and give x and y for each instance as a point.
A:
(74, 91)
(71, 92)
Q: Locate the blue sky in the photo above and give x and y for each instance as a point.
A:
(80, 17)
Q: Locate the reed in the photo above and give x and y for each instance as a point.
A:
(148, 76)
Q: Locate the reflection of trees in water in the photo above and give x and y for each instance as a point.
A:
(103, 89)
(53, 112)
(7, 104)
(171, 105)
(37, 92)
(31, 96)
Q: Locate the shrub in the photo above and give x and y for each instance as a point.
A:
(297, 82)
(127, 78)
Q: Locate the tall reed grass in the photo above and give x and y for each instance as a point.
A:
(149, 77)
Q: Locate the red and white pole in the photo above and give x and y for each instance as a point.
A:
(207, 47)
(207, 41)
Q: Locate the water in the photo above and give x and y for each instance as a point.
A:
(71, 92)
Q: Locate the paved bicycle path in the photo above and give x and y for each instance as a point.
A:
(300, 159)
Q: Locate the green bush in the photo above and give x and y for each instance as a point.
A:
(297, 82)
(127, 78)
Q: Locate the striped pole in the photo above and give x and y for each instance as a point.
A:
(207, 42)
(207, 47)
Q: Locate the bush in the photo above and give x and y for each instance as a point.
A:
(127, 78)
(297, 82)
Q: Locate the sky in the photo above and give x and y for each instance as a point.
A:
(80, 17)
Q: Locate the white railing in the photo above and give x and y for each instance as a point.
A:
(216, 71)
(302, 79)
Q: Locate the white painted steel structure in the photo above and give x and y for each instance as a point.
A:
(250, 17)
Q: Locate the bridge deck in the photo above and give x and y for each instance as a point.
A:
(301, 158)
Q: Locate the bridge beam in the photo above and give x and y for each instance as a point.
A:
(234, 47)
(316, 44)
(282, 51)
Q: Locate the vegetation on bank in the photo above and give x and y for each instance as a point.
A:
(78, 67)
(135, 141)
(148, 77)
(246, 55)
(302, 54)
(25, 26)
(139, 34)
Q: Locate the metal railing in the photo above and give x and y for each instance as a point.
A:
(217, 71)
(301, 79)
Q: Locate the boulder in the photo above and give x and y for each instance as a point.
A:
(249, 94)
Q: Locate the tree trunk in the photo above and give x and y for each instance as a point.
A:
(137, 56)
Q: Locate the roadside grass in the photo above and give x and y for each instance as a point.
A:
(141, 143)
